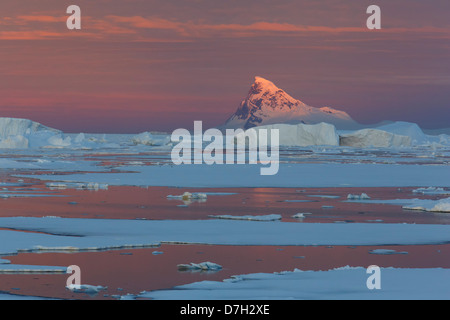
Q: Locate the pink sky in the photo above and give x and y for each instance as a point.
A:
(158, 65)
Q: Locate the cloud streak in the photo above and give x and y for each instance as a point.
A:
(140, 28)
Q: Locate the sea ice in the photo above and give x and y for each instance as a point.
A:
(362, 196)
(431, 191)
(442, 205)
(203, 266)
(85, 288)
(347, 283)
(269, 217)
(386, 252)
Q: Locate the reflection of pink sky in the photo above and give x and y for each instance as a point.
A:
(128, 202)
(141, 270)
(158, 65)
(144, 271)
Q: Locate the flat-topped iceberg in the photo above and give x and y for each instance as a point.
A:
(374, 138)
(300, 135)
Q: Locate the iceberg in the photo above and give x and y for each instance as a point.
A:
(24, 133)
(374, 138)
(20, 127)
(408, 129)
(300, 135)
(148, 139)
(363, 196)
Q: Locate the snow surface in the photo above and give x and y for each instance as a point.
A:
(347, 283)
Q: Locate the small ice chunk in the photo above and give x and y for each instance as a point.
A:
(386, 251)
(300, 215)
(363, 196)
(431, 191)
(203, 266)
(85, 288)
(189, 196)
(269, 217)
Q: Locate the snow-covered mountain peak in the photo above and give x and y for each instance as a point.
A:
(267, 104)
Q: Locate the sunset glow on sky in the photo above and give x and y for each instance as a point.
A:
(141, 65)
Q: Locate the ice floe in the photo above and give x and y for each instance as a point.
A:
(396, 284)
(68, 235)
(202, 266)
(24, 269)
(85, 288)
(310, 175)
(362, 196)
(431, 191)
(269, 217)
(386, 252)
(301, 215)
(189, 196)
(442, 205)
(79, 186)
